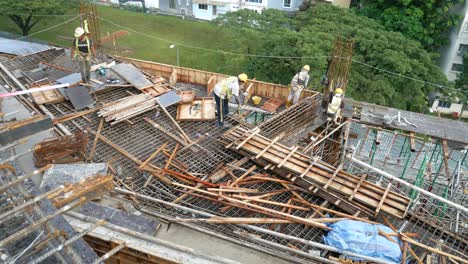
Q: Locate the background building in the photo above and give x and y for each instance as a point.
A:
(452, 55)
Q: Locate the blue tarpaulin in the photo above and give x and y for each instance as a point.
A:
(363, 238)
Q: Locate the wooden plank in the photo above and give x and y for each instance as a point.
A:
(249, 171)
(363, 177)
(288, 156)
(96, 138)
(344, 183)
(254, 132)
(267, 147)
(151, 157)
(383, 198)
(333, 176)
(171, 135)
(309, 167)
(184, 136)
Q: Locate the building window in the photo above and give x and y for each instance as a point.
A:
(287, 3)
(457, 67)
(203, 6)
(214, 10)
(172, 4)
(254, 1)
(462, 49)
(444, 104)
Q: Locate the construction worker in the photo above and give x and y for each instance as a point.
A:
(83, 49)
(335, 105)
(298, 83)
(223, 91)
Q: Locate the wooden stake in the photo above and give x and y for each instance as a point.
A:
(96, 139)
(185, 137)
(153, 155)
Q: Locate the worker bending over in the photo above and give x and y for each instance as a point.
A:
(223, 91)
(298, 83)
(83, 49)
(335, 105)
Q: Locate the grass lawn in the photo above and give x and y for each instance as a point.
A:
(193, 33)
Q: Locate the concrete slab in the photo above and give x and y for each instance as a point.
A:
(60, 174)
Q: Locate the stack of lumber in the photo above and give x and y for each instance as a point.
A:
(127, 107)
(333, 180)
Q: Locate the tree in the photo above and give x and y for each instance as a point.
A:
(27, 13)
(311, 34)
(426, 21)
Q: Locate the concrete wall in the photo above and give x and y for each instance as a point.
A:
(209, 14)
(458, 36)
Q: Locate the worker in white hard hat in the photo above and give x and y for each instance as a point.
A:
(226, 89)
(298, 83)
(83, 49)
(335, 105)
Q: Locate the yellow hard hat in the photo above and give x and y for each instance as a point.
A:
(242, 77)
(338, 91)
(306, 67)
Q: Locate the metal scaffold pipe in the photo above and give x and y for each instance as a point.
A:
(403, 182)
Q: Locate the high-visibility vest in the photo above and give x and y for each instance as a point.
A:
(77, 51)
(334, 105)
(224, 86)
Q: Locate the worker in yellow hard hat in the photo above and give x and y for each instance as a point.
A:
(224, 90)
(298, 83)
(335, 105)
(83, 49)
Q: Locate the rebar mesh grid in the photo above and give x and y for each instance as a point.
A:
(141, 140)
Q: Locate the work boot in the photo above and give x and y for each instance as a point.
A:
(288, 104)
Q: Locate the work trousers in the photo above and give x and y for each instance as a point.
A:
(85, 68)
(222, 107)
(294, 96)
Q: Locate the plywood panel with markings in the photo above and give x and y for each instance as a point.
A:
(200, 109)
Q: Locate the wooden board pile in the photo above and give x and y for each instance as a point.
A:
(318, 174)
(127, 107)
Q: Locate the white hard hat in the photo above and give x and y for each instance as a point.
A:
(78, 32)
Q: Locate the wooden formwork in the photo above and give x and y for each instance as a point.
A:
(334, 180)
(209, 79)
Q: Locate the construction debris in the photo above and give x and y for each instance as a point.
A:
(63, 149)
(127, 107)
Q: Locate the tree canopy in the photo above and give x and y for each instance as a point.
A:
(425, 21)
(26, 13)
(308, 38)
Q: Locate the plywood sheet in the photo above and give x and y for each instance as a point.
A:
(187, 96)
(169, 99)
(79, 97)
(132, 75)
(272, 105)
(156, 90)
(206, 111)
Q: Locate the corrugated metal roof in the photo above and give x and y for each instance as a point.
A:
(20, 48)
